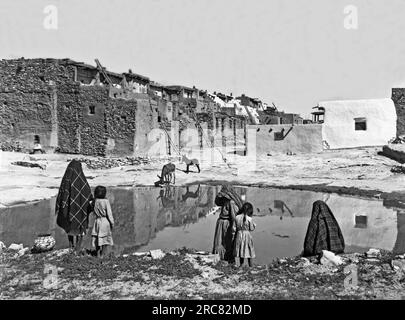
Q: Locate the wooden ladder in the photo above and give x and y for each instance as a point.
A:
(101, 69)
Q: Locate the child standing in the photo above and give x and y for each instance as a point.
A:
(104, 222)
(243, 239)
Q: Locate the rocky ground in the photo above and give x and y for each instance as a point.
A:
(186, 274)
(191, 275)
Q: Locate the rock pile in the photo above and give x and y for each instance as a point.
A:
(29, 164)
(107, 163)
(398, 169)
(399, 140)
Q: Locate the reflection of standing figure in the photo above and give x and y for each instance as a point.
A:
(73, 204)
(230, 204)
(399, 247)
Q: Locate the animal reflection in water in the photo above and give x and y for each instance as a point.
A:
(278, 204)
(167, 197)
(189, 194)
(178, 212)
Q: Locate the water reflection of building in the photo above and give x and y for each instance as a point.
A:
(153, 209)
(364, 223)
(23, 223)
(399, 247)
(141, 213)
(192, 203)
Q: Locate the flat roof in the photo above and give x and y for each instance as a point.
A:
(178, 88)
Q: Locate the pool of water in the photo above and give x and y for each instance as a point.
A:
(151, 218)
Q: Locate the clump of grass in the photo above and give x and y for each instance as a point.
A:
(111, 267)
(175, 266)
(184, 250)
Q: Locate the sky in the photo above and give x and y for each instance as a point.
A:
(291, 52)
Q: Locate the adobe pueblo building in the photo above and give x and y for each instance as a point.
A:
(70, 107)
(73, 107)
(356, 123)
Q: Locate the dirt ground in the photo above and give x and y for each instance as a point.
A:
(354, 171)
(185, 274)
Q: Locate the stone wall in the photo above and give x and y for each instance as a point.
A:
(28, 101)
(68, 118)
(92, 110)
(121, 127)
(39, 97)
(24, 116)
(398, 96)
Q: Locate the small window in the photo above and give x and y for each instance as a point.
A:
(360, 124)
(361, 222)
(278, 136)
(92, 109)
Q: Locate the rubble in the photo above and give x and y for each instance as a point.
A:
(399, 140)
(23, 252)
(206, 258)
(398, 265)
(29, 164)
(16, 247)
(140, 254)
(329, 258)
(373, 253)
(304, 262)
(108, 163)
(157, 254)
(398, 169)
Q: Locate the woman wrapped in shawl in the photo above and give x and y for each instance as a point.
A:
(323, 232)
(230, 203)
(74, 204)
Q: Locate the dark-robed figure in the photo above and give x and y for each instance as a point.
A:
(323, 232)
(230, 203)
(74, 204)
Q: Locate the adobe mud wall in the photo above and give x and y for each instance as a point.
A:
(22, 117)
(146, 128)
(28, 101)
(39, 97)
(298, 138)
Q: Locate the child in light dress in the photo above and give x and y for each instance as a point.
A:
(244, 248)
(104, 222)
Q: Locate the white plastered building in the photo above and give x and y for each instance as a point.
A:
(356, 123)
